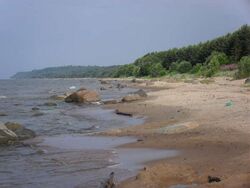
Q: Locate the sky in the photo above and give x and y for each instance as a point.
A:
(36, 34)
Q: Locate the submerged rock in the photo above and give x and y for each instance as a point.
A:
(83, 96)
(111, 101)
(37, 113)
(3, 114)
(35, 108)
(58, 97)
(12, 132)
(50, 104)
(6, 135)
(21, 132)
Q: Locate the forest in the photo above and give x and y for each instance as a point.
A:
(226, 53)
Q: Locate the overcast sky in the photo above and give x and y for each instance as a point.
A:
(43, 33)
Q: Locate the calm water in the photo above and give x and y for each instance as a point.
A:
(61, 156)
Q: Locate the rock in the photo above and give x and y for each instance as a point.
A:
(131, 98)
(141, 93)
(21, 132)
(58, 97)
(212, 179)
(50, 104)
(103, 82)
(3, 114)
(120, 86)
(103, 88)
(38, 114)
(110, 182)
(133, 80)
(6, 135)
(247, 81)
(112, 101)
(83, 96)
(35, 108)
(82, 89)
(118, 112)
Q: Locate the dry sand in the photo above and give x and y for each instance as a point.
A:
(208, 123)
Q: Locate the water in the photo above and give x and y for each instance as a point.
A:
(62, 155)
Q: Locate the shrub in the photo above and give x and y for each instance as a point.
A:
(213, 63)
(157, 70)
(184, 67)
(196, 69)
(173, 66)
(243, 67)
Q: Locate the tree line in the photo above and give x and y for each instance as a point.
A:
(203, 58)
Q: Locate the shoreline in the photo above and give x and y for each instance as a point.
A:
(192, 118)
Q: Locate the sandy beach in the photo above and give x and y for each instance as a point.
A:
(207, 121)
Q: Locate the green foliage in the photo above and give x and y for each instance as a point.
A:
(244, 67)
(218, 57)
(205, 58)
(126, 71)
(174, 66)
(184, 67)
(234, 45)
(70, 72)
(213, 63)
(196, 69)
(157, 70)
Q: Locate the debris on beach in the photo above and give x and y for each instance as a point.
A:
(229, 103)
(110, 182)
(118, 112)
(212, 179)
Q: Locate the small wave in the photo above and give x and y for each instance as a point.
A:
(2, 97)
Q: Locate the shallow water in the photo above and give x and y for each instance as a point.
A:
(61, 156)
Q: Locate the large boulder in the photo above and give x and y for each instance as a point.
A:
(21, 132)
(140, 94)
(83, 96)
(131, 98)
(12, 132)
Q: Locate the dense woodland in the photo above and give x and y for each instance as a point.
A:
(228, 52)
(69, 72)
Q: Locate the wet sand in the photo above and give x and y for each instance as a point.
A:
(208, 123)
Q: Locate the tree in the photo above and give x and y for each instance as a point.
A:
(184, 67)
(244, 67)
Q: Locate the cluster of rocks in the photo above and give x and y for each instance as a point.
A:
(88, 96)
(14, 132)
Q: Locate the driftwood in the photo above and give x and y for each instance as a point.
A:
(123, 113)
(212, 179)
